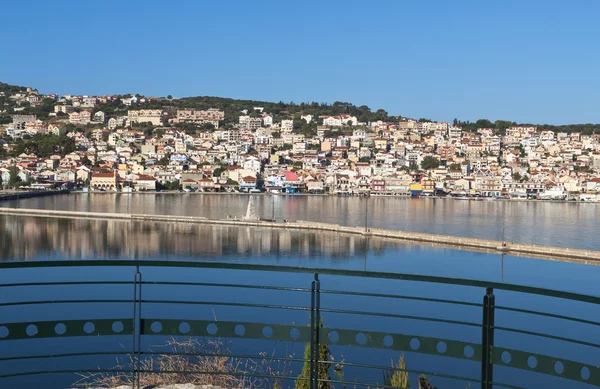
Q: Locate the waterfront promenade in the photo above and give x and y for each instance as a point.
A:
(522, 249)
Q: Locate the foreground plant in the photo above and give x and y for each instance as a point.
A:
(396, 376)
(198, 362)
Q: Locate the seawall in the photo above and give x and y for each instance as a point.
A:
(584, 256)
(26, 195)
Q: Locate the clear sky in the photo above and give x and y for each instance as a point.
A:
(523, 60)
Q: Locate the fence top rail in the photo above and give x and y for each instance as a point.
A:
(593, 299)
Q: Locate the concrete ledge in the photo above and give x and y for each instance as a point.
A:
(455, 241)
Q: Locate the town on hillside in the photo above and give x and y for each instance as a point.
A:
(136, 143)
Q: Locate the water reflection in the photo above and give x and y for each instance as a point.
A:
(30, 237)
(544, 223)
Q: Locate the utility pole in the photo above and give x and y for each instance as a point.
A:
(273, 204)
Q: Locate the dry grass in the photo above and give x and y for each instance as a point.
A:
(196, 362)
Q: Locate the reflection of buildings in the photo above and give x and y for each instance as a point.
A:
(28, 237)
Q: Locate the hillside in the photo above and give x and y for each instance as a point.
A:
(279, 110)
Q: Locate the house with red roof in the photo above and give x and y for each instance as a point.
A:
(247, 183)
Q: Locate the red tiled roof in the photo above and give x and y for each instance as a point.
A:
(103, 175)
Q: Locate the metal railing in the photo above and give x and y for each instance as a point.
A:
(465, 331)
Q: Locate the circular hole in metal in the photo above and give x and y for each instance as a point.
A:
(212, 329)
(585, 373)
(441, 347)
(89, 327)
(333, 336)
(388, 341)
(240, 330)
(117, 327)
(294, 333)
(468, 351)
(156, 327)
(267, 331)
(31, 330)
(60, 328)
(361, 338)
(3, 332)
(506, 357)
(184, 327)
(414, 343)
(559, 368)
(532, 362)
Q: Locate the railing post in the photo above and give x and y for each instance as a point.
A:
(315, 323)
(487, 339)
(137, 328)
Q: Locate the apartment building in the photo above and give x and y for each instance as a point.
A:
(154, 116)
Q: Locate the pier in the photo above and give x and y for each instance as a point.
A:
(521, 249)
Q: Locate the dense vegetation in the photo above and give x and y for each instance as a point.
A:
(502, 125)
(45, 145)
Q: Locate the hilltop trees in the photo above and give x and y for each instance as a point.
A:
(233, 108)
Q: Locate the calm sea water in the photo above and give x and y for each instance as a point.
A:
(557, 224)
(39, 239)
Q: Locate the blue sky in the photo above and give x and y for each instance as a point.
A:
(528, 61)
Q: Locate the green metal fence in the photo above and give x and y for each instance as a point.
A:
(140, 327)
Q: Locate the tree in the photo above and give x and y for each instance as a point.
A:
(169, 97)
(517, 177)
(430, 162)
(14, 179)
(484, 123)
(323, 367)
(218, 171)
(502, 125)
(208, 126)
(44, 145)
(164, 161)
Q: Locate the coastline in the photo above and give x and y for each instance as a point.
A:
(521, 249)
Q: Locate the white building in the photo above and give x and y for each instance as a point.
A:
(287, 125)
(99, 117)
(267, 120)
(306, 117)
(153, 116)
(341, 120)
